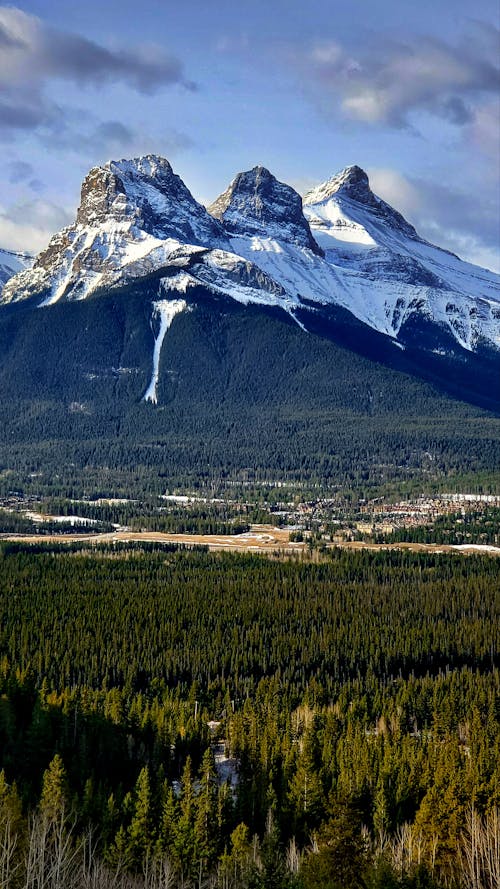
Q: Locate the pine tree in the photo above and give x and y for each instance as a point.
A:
(273, 872)
(12, 832)
(184, 841)
(341, 859)
(140, 832)
(54, 798)
(205, 824)
(10, 805)
(306, 792)
(381, 810)
(239, 859)
(169, 821)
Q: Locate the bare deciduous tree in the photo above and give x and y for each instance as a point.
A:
(480, 850)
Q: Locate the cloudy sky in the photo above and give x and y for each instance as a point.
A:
(408, 91)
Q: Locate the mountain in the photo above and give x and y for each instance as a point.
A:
(257, 204)
(390, 274)
(132, 219)
(320, 338)
(11, 263)
(345, 247)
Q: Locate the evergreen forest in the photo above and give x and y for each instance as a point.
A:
(244, 399)
(175, 718)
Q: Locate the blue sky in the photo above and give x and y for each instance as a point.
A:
(409, 91)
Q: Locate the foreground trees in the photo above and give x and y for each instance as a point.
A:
(248, 724)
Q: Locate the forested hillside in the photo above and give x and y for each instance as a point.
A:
(240, 721)
(244, 395)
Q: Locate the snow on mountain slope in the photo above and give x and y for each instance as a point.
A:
(165, 310)
(133, 217)
(257, 204)
(394, 271)
(12, 263)
(345, 209)
(375, 265)
(343, 246)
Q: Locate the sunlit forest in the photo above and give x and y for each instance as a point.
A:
(174, 718)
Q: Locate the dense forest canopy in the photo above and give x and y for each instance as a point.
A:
(352, 702)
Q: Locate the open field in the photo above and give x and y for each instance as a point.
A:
(261, 538)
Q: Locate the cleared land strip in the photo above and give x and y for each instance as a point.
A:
(262, 539)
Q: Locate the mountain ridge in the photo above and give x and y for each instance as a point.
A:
(259, 242)
(12, 262)
(342, 265)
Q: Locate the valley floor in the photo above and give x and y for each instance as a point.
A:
(266, 539)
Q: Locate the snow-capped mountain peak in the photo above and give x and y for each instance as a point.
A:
(350, 189)
(11, 263)
(352, 181)
(259, 243)
(391, 273)
(146, 192)
(256, 203)
(133, 215)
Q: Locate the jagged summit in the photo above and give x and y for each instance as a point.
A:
(352, 181)
(259, 244)
(146, 192)
(350, 186)
(133, 214)
(256, 203)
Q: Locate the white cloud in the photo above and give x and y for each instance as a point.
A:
(368, 106)
(464, 245)
(394, 188)
(444, 216)
(33, 51)
(483, 133)
(34, 55)
(29, 226)
(387, 83)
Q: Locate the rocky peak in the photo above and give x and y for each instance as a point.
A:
(146, 192)
(352, 184)
(256, 203)
(132, 214)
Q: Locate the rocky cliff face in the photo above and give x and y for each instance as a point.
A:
(133, 215)
(342, 247)
(147, 194)
(257, 204)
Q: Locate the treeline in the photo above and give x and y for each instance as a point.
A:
(304, 447)
(202, 618)
(242, 722)
(159, 515)
(17, 523)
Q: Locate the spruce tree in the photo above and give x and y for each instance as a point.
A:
(54, 798)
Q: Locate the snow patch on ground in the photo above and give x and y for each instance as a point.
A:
(40, 518)
(479, 547)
